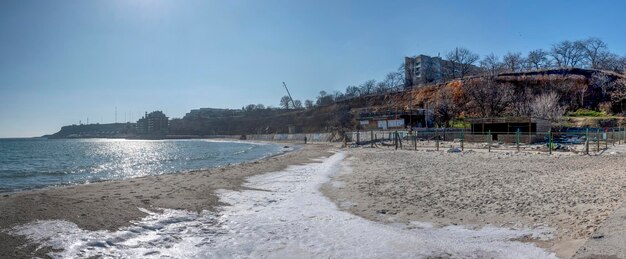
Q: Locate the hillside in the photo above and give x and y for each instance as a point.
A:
(507, 94)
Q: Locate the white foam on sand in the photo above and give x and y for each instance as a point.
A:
(285, 216)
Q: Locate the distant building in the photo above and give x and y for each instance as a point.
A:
(154, 123)
(422, 70)
(425, 70)
(207, 113)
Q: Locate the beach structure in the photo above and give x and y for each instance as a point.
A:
(509, 124)
(505, 128)
(394, 119)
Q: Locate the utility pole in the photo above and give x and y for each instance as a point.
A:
(292, 103)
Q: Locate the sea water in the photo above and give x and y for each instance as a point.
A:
(34, 163)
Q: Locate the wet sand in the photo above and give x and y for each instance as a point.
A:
(110, 205)
(572, 194)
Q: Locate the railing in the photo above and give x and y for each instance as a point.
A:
(582, 140)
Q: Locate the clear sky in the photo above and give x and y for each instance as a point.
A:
(65, 61)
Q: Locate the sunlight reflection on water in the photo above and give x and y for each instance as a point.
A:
(29, 163)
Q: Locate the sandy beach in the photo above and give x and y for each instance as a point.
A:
(280, 214)
(325, 201)
(570, 194)
(110, 205)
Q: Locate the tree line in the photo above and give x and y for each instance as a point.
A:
(591, 53)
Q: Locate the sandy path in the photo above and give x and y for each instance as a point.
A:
(572, 194)
(113, 204)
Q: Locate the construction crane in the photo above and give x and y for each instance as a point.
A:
(292, 103)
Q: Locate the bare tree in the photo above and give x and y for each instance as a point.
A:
(595, 51)
(308, 104)
(537, 59)
(618, 96)
(352, 91)
(491, 65)
(367, 87)
(547, 106)
(567, 53)
(613, 62)
(513, 62)
(488, 97)
(602, 81)
(249, 107)
(338, 96)
(444, 107)
(285, 102)
(324, 98)
(260, 107)
(521, 102)
(461, 61)
(394, 80)
(297, 104)
(381, 87)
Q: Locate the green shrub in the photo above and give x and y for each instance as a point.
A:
(587, 113)
(460, 124)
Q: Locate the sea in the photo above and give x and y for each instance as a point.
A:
(27, 164)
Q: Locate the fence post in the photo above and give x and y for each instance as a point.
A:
(613, 136)
(517, 138)
(395, 139)
(462, 138)
(415, 140)
(550, 141)
(444, 134)
(371, 138)
(606, 140)
(437, 140)
(358, 138)
(489, 140)
(597, 140)
(587, 141)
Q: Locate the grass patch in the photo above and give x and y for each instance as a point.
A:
(588, 113)
(460, 125)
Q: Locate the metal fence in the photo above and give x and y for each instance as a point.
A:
(585, 140)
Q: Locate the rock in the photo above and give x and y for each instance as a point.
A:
(454, 150)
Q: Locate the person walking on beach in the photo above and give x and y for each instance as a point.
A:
(304, 139)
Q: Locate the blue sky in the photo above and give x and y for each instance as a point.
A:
(65, 61)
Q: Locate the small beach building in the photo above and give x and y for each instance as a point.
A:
(503, 128)
(369, 119)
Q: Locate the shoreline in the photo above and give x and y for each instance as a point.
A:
(292, 148)
(112, 204)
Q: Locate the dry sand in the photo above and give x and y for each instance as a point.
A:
(573, 194)
(113, 204)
